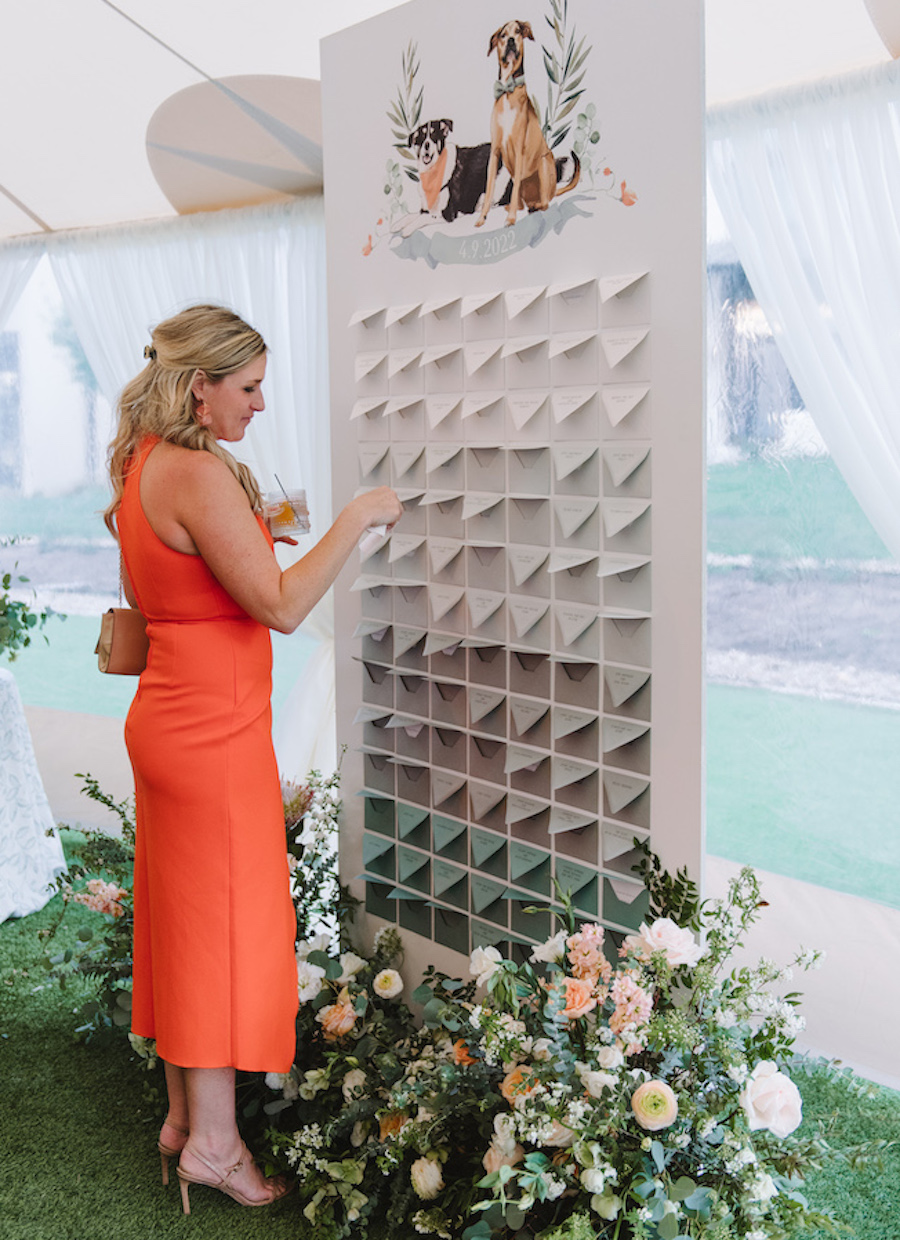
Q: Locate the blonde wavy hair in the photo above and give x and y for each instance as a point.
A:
(208, 340)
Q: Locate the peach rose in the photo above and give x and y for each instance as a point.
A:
(501, 1153)
(337, 1019)
(655, 1105)
(771, 1100)
(461, 1054)
(664, 935)
(517, 1083)
(580, 997)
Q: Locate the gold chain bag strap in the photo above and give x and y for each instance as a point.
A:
(123, 643)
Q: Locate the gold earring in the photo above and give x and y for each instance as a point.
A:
(201, 412)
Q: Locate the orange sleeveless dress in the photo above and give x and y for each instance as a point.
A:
(215, 978)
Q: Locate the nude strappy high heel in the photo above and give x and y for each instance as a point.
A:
(170, 1149)
(220, 1180)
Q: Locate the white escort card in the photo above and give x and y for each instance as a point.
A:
(564, 819)
(518, 299)
(396, 314)
(620, 564)
(620, 398)
(568, 342)
(478, 353)
(567, 457)
(370, 714)
(623, 457)
(566, 771)
(404, 456)
(611, 286)
(517, 345)
(442, 551)
(405, 638)
(623, 682)
(401, 405)
(475, 502)
(524, 561)
(569, 719)
(484, 797)
(523, 406)
(520, 806)
(483, 604)
(444, 784)
(440, 406)
(434, 354)
(370, 456)
(483, 701)
(526, 712)
(618, 840)
(476, 402)
(441, 643)
(365, 363)
(621, 789)
(443, 599)
(563, 559)
(618, 514)
(572, 511)
(618, 342)
(364, 317)
(573, 620)
(566, 401)
(437, 304)
(438, 454)
(362, 408)
(400, 359)
(376, 629)
(619, 732)
(570, 286)
(526, 613)
(474, 303)
(520, 758)
(403, 544)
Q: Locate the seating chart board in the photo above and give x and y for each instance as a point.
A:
(515, 250)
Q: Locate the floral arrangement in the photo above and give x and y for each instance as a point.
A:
(637, 1089)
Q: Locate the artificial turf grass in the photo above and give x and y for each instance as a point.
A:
(78, 1157)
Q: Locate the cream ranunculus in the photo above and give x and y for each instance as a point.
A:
(771, 1100)
(426, 1178)
(663, 935)
(484, 963)
(387, 984)
(654, 1105)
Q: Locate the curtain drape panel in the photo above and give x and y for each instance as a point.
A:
(17, 262)
(268, 264)
(808, 182)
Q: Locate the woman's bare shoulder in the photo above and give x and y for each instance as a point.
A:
(190, 466)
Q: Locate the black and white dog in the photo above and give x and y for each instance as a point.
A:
(451, 177)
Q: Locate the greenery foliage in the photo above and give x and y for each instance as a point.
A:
(18, 622)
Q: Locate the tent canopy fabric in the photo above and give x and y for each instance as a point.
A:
(82, 80)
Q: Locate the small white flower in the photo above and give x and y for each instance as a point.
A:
(725, 1018)
(319, 943)
(738, 1073)
(350, 965)
(388, 984)
(484, 963)
(763, 1188)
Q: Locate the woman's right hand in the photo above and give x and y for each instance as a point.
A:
(378, 507)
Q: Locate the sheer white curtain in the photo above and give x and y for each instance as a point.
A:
(268, 264)
(808, 182)
(17, 261)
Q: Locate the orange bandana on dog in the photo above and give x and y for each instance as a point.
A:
(432, 179)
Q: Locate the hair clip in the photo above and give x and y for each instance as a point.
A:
(150, 352)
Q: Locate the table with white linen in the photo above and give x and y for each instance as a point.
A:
(30, 852)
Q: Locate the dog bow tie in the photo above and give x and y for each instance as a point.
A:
(507, 88)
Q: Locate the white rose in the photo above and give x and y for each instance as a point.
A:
(665, 936)
(541, 1049)
(319, 943)
(552, 951)
(350, 965)
(596, 1082)
(426, 1178)
(483, 964)
(354, 1080)
(387, 984)
(610, 1057)
(309, 981)
(771, 1100)
(593, 1180)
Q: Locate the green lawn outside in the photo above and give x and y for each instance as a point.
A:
(783, 509)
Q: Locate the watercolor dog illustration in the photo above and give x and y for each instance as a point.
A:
(517, 140)
(451, 178)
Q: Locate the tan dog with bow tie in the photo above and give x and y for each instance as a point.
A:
(516, 134)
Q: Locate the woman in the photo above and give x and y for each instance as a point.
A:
(214, 971)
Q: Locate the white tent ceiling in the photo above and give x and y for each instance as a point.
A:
(82, 79)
